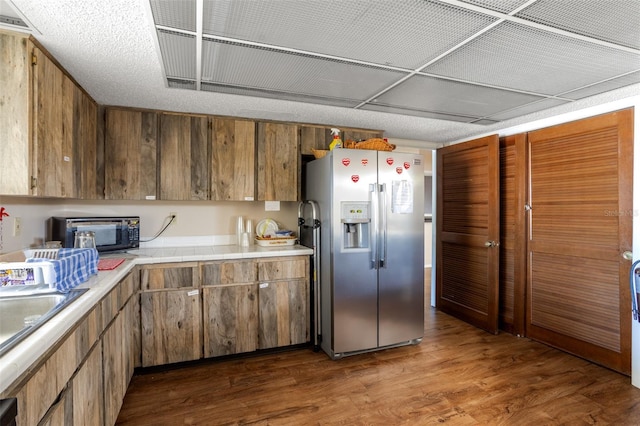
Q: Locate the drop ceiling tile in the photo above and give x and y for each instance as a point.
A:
(451, 97)
(405, 34)
(524, 58)
(526, 109)
(616, 83)
(613, 21)
(418, 113)
(485, 122)
(175, 14)
(181, 84)
(271, 94)
(504, 6)
(178, 54)
(271, 70)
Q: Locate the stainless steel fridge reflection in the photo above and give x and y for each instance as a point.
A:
(372, 249)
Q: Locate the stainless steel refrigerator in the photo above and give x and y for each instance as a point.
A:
(371, 257)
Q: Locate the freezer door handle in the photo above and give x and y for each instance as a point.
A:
(373, 201)
(383, 214)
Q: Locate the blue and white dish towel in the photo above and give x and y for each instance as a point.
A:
(72, 267)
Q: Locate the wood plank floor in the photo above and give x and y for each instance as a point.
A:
(458, 375)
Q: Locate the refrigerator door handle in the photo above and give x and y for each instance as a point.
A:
(373, 201)
(383, 214)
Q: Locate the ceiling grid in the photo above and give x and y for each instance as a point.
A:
(473, 61)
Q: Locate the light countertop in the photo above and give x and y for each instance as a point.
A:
(22, 357)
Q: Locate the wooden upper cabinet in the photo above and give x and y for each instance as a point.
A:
(15, 167)
(314, 137)
(232, 159)
(278, 162)
(183, 161)
(130, 154)
(64, 134)
(85, 136)
(53, 159)
(51, 123)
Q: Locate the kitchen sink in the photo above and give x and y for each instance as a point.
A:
(25, 309)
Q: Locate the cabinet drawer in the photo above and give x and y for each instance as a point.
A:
(228, 272)
(169, 276)
(282, 268)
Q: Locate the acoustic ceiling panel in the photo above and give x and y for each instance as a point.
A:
(615, 22)
(525, 58)
(273, 94)
(419, 113)
(503, 6)
(178, 54)
(458, 60)
(268, 69)
(451, 97)
(527, 109)
(175, 14)
(616, 83)
(405, 34)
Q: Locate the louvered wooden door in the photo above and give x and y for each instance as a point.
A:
(580, 224)
(467, 231)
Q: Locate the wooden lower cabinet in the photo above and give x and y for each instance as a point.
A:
(119, 358)
(230, 319)
(255, 304)
(87, 390)
(170, 313)
(284, 318)
(171, 326)
(83, 380)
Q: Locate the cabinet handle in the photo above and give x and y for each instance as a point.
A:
(264, 285)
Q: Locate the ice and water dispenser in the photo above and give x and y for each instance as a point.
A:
(355, 219)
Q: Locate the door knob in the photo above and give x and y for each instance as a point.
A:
(491, 244)
(627, 255)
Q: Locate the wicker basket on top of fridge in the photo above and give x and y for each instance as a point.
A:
(376, 144)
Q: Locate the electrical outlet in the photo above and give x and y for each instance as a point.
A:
(175, 218)
(17, 226)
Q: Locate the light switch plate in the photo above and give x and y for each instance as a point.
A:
(272, 206)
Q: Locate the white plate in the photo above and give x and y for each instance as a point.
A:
(266, 227)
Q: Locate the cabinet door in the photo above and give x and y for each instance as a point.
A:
(233, 160)
(284, 317)
(53, 162)
(171, 326)
(130, 154)
(15, 167)
(85, 143)
(278, 162)
(312, 137)
(230, 319)
(87, 390)
(114, 355)
(184, 166)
